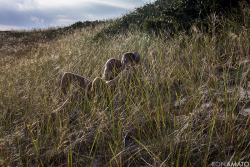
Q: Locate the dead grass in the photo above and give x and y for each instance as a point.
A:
(187, 106)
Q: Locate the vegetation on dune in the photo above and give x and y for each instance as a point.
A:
(19, 44)
(187, 105)
(172, 15)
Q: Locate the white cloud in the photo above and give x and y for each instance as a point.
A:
(63, 19)
(46, 13)
(26, 5)
(36, 19)
(7, 28)
(115, 4)
(90, 17)
(48, 4)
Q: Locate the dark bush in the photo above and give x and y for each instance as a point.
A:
(182, 14)
(171, 15)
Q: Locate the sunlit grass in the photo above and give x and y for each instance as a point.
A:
(180, 109)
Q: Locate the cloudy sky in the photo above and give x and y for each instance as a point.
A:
(28, 14)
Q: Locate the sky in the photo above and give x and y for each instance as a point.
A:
(40, 14)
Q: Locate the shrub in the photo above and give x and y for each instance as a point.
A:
(184, 13)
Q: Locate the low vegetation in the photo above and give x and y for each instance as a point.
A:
(187, 105)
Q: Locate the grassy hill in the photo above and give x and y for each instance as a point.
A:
(188, 104)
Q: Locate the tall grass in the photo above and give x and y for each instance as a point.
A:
(182, 108)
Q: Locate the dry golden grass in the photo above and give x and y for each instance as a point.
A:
(187, 105)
